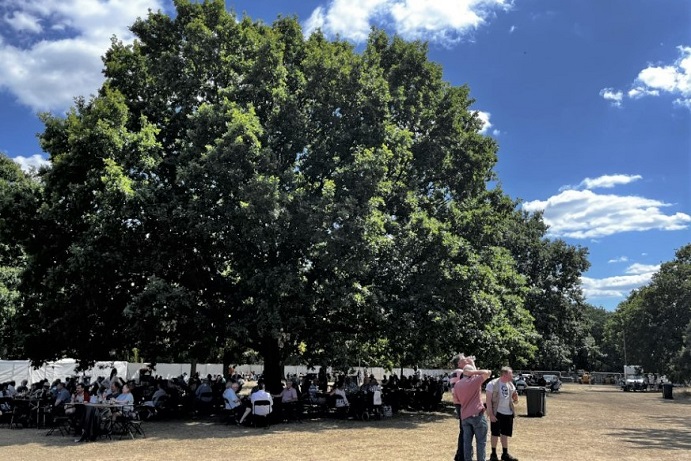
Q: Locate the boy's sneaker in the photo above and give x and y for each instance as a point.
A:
(508, 457)
(493, 457)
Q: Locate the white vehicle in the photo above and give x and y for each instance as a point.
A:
(634, 379)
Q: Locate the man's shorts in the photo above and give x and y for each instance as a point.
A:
(503, 426)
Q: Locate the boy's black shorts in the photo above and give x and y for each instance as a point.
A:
(503, 426)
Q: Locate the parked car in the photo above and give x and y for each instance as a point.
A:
(550, 378)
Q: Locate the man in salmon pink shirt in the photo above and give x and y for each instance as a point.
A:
(468, 391)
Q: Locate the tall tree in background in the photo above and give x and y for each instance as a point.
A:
(596, 355)
(653, 320)
(236, 183)
(19, 199)
(552, 269)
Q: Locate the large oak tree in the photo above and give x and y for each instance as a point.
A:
(235, 183)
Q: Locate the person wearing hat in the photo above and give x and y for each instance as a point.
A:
(468, 391)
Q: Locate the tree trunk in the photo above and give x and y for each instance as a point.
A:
(273, 366)
(227, 362)
(193, 367)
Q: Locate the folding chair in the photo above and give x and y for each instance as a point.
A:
(292, 411)
(6, 413)
(230, 416)
(261, 410)
(59, 421)
(128, 425)
(204, 404)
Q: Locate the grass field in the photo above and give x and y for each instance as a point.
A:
(582, 423)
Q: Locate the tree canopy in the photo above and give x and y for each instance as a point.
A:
(651, 328)
(235, 184)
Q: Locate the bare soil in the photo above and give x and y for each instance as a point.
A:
(583, 422)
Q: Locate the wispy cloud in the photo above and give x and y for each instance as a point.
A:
(604, 182)
(22, 21)
(32, 163)
(583, 214)
(620, 259)
(641, 269)
(49, 71)
(654, 80)
(619, 286)
(439, 21)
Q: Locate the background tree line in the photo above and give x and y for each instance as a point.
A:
(236, 188)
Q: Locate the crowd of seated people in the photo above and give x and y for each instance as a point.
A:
(152, 397)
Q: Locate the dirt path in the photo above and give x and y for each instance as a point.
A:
(582, 423)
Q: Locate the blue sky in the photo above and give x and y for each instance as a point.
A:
(589, 100)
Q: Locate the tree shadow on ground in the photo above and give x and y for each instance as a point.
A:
(185, 429)
(672, 438)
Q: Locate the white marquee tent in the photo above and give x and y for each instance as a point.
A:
(19, 370)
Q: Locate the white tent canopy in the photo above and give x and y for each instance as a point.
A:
(19, 370)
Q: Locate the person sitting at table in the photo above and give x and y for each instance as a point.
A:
(259, 394)
(23, 389)
(80, 394)
(10, 391)
(157, 400)
(63, 396)
(338, 391)
(350, 385)
(373, 385)
(114, 391)
(203, 397)
(313, 389)
(41, 390)
(365, 384)
(95, 394)
(230, 396)
(53, 388)
(203, 393)
(289, 400)
(159, 394)
(111, 379)
(232, 403)
(288, 394)
(126, 399)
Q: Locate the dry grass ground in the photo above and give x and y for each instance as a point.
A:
(582, 423)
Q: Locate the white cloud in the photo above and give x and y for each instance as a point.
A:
(582, 214)
(512, 30)
(31, 163)
(640, 269)
(639, 91)
(22, 21)
(484, 118)
(348, 18)
(674, 79)
(610, 94)
(621, 259)
(621, 285)
(48, 73)
(605, 182)
(440, 21)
